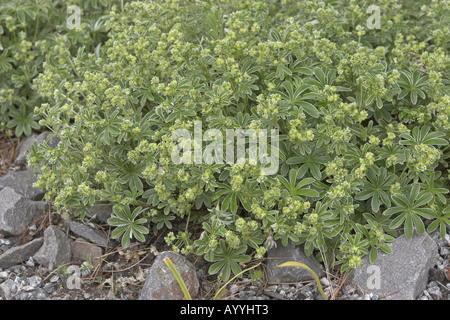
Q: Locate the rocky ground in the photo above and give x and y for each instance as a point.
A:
(47, 256)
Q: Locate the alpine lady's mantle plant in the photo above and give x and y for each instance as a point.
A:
(29, 31)
(217, 144)
(363, 117)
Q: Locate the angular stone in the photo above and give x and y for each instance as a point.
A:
(19, 254)
(291, 252)
(160, 283)
(21, 158)
(6, 289)
(402, 275)
(82, 250)
(26, 144)
(88, 233)
(22, 182)
(56, 249)
(102, 213)
(17, 212)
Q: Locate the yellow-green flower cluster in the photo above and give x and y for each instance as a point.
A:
(424, 157)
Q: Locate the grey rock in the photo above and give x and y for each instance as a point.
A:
(101, 212)
(22, 182)
(434, 291)
(23, 296)
(436, 274)
(82, 250)
(291, 252)
(16, 269)
(324, 281)
(34, 281)
(349, 290)
(88, 233)
(17, 213)
(160, 283)
(39, 294)
(234, 289)
(21, 158)
(5, 242)
(30, 262)
(55, 250)
(374, 296)
(6, 289)
(402, 275)
(49, 288)
(26, 144)
(19, 254)
(272, 288)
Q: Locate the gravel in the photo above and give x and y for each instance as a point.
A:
(31, 281)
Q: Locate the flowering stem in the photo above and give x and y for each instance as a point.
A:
(177, 276)
(301, 265)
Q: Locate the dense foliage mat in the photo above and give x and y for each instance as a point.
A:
(29, 30)
(362, 111)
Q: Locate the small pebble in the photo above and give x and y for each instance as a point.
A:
(34, 281)
(5, 242)
(30, 262)
(324, 281)
(49, 288)
(285, 287)
(22, 296)
(28, 288)
(40, 295)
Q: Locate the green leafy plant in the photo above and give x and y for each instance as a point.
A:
(362, 119)
(22, 121)
(408, 209)
(227, 260)
(412, 84)
(441, 219)
(127, 224)
(377, 188)
(29, 31)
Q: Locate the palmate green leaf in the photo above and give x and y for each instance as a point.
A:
(423, 136)
(410, 209)
(23, 121)
(432, 184)
(127, 225)
(376, 188)
(298, 189)
(311, 162)
(441, 219)
(412, 83)
(227, 259)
